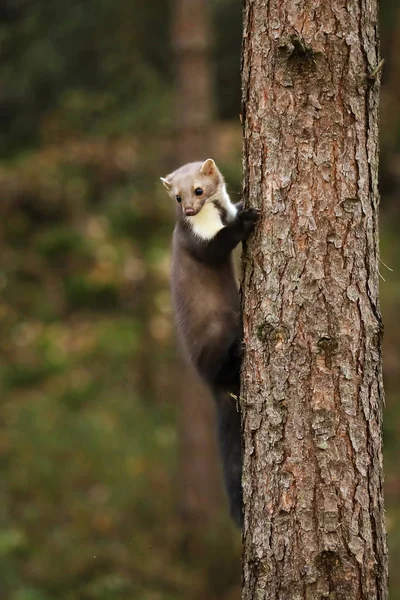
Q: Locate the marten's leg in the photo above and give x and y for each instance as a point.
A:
(219, 360)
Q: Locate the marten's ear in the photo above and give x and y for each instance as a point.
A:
(166, 183)
(208, 167)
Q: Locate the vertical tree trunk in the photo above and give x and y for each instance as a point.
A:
(312, 386)
(200, 493)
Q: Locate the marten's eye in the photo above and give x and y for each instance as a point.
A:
(198, 191)
(178, 199)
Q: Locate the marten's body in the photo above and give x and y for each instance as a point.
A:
(206, 299)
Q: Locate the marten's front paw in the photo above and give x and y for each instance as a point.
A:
(248, 218)
(250, 214)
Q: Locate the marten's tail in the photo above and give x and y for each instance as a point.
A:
(230, 445)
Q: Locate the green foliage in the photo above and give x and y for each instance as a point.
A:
(82, 67)
(87, 461)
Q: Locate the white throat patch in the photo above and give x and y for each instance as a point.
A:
(207, 222)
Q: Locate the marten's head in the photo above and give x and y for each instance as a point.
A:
(193, 185)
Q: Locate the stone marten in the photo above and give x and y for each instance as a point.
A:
(206, 298)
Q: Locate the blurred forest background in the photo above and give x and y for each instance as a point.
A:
(93, 97)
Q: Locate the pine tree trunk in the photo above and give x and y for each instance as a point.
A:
(312, 391)
(200, 483)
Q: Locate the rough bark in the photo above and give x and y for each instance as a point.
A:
(200, 485)
(312, 391)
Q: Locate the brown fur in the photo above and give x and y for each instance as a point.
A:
(206, 303)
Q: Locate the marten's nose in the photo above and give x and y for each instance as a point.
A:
(189, 212)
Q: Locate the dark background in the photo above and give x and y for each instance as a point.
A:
(89, 378)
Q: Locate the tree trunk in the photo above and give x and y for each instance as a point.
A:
(312, 391)
(200, 489)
